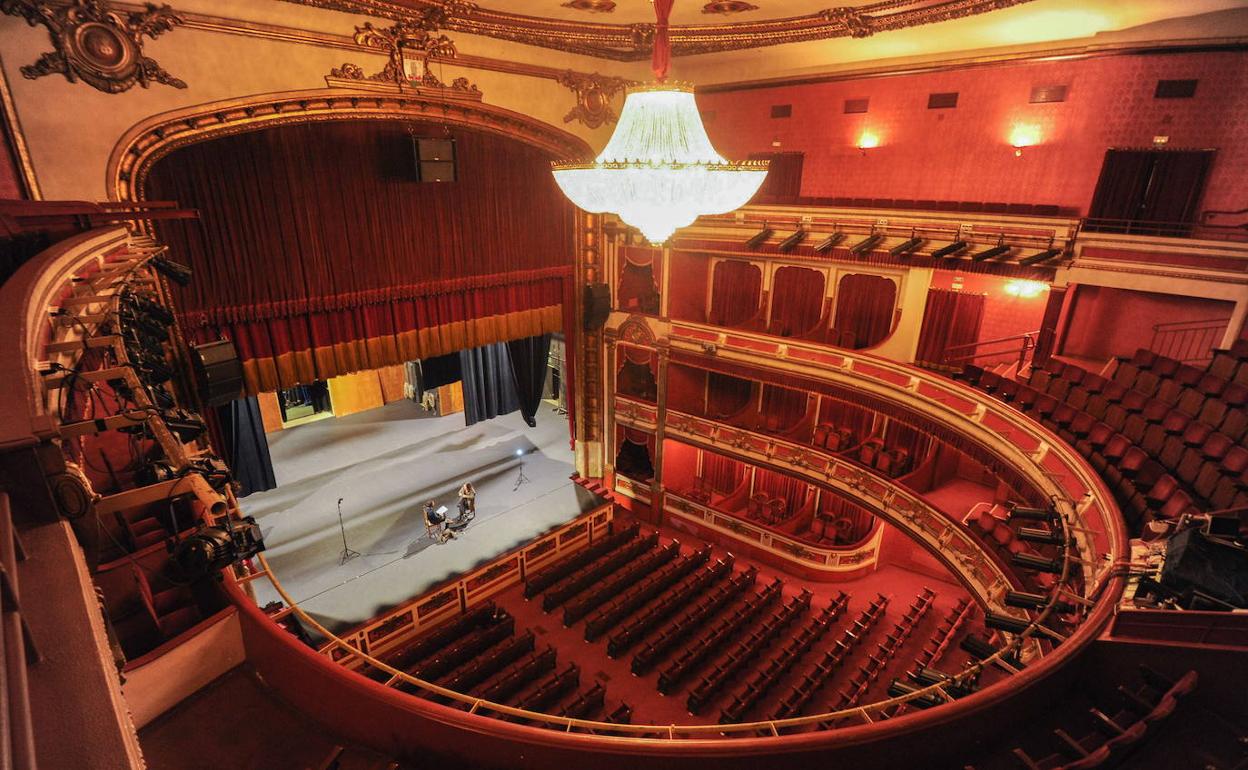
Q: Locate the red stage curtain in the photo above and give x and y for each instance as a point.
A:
(782, 407)
(952, 318)
(721, 474)
(637, 373)
(319, 251)
(796, 301)
(726, 395)
(865, 308)
(735, 293)
(638, 288)
(634, 453)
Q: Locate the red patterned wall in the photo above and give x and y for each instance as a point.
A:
(964, 154)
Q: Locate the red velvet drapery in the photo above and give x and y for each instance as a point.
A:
(637, 372)
(773, 484)
(796, 301)
(952, 318)
(721, 474)
(843, 522)
(320, 254)
(735, 293)
(865, 308)
(726, 395)
(782, 407)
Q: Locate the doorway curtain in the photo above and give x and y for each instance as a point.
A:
(952, 318)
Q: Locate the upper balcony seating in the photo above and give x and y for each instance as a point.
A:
(1107, 735)
(1168, 438)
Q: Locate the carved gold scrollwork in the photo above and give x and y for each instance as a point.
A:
(93, 43)
(593, 97)
(853, 20)
(411, 38)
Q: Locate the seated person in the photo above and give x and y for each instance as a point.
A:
(436, 522)
(467, 501)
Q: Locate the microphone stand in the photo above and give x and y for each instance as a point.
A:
(347, 553)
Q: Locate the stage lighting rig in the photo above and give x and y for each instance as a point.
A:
(952, 250)
(790, 243)
(187, 425)
(212, 549)
(829, 243)
(178, 273)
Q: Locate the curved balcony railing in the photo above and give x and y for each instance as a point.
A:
(888, 500)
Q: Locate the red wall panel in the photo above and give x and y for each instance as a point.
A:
(964, 153)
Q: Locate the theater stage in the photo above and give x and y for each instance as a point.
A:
(385, 463)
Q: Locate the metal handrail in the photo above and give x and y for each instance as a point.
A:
(1176, 324)
(1028, 344)
(1024, 335)
(1198, 230)
(1188, 341)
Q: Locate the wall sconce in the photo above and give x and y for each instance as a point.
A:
(1025, 289)
(1023, 136)
(868, 141)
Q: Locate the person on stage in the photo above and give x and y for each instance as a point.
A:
(436, 523)
(467, 501)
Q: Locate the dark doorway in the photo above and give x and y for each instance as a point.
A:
(1154, 192)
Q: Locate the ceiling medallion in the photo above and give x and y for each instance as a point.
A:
(728, 6)
(97, 45)
(659, 171)
(593, 97)
(593, 6)
(409, 47)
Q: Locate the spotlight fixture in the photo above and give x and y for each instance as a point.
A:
(790, 243)
(519, 453)
(1031, 514)
(929, 676)
(953, 249)
(990, 253)
(1040, 256)
(906, 247)
(1031, 601)
(1037, 563)
(178, 273)
(211, 549)
(188, 426)
(898, 688)
(1040, 535)
(866, 244)
(1007, 623)
(759, 238)
(978, 647)
(827, 244)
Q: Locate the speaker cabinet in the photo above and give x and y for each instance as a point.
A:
(435, 159)
(597, 305)
(218, 372)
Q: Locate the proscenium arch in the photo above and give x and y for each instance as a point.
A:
(155, 137)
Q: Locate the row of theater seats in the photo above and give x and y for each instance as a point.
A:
(613, 612)
(1103, 735)
(633, 569)
(479, 653)
(667, 605)
(890, 461)
(1167, 437)
(878, 661)
(546, 577)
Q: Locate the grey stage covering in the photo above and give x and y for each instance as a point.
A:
(385, 463)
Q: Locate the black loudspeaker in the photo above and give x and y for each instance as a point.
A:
(218, 372)
(435, 158)
(597, 305)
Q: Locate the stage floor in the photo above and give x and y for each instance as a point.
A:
(385, 463)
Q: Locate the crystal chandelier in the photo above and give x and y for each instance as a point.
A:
(659, 171)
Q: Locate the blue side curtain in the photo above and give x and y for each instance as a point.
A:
(530, 359)
(246, 448)
(489, 385)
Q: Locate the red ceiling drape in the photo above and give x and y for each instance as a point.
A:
(735, 291)
(796, 301)
(865, 308)
(951, 318)
(319, 253)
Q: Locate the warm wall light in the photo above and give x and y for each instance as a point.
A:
(867, 141)
(1023, 136)
(1025, 289)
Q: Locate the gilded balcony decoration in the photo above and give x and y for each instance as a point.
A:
(728, 6)
(97, 44)
(407, 42)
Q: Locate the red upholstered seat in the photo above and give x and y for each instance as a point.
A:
(1211, 385)
(1161, 491)
(1180, 503)
(1143, 358)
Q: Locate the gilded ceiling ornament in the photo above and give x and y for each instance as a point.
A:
(593, 6)
(853, 20)
(411, 40)
(96, 44)
(593, 97)
(728, 6)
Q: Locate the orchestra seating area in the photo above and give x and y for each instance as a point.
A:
(644, 628)
(1168, 438)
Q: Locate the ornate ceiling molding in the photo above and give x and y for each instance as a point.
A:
(159, 135)
(593, 97)
(96, 44)
(631, 42)
(405, 43)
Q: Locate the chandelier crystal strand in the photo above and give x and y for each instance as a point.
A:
(659, 171)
